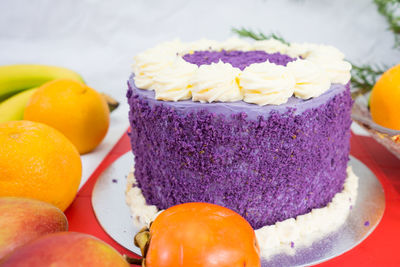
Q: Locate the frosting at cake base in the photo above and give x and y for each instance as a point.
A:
(282, 237)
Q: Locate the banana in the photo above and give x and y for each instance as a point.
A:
(15, 78)
(13, 108)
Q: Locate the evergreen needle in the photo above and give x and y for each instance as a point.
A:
(364, 77)
(390, 9)
(243, 32)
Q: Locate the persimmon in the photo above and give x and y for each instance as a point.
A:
(199, 234)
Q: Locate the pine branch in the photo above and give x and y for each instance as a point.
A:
(243, 32)
(390, 9)
(364, 77)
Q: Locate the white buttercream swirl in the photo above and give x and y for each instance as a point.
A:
(326, 51)
(311, 80)
(267, 83)
(162, 69)
(149, 63)
(235, 43)
(216, 82)
(270, 46)
(300, 49)
(338, 70)
(201, 45)
(174, 83)
(331, 59)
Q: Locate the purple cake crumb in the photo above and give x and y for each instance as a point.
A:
(292, 244)
(366, 223)
(351, 207)
(114, 181)
(238, 59)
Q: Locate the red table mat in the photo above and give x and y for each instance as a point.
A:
(379, 249)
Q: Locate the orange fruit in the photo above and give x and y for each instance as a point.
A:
(37, 161)
(73, 108)
(385, 99)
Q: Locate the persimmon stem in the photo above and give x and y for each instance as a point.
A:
(142, 240)
(134, 261)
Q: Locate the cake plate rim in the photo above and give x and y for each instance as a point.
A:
(113, 214)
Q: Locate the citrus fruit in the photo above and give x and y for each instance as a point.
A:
(37, 161)
(73, 108)
(385, 99)
(201, 234)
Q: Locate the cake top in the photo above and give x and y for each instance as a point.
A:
(262, 72)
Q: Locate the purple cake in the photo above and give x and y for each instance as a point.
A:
(266, 162)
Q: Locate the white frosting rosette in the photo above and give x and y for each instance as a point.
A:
(311, 80)
(302, 50)
(216, 82)
(316, 67)
(154, 60)
(267, 83)
(235, 43)
(174, 83)
(270, 46)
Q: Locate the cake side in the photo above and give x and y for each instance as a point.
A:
(266, 168)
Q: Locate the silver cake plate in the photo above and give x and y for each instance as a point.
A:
(108, 201)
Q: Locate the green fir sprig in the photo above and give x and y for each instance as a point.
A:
(364, 77)
(390, 9)
(243, 32)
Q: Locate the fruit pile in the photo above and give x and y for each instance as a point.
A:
(34, 233)
(48, 118)
(57, 97)
(19, 82)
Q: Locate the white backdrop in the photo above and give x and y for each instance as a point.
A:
(98, 38)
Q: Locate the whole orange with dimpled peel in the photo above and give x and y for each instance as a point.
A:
(37, 161)
(73, 108)
(385, 99)
(201, 234)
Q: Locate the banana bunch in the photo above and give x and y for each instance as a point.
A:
(19, 82)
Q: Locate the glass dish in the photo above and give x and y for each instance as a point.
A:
(387, 137)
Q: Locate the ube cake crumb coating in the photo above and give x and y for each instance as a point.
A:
(238, 59)
(268, 163)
